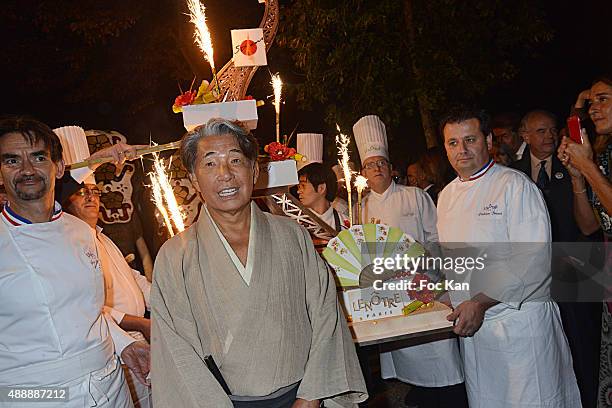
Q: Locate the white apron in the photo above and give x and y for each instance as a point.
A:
(126, 292)
(433, 364)
(520, 356)
(52, 331)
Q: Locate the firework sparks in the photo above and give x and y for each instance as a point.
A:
(197, 15)
(360, 184)
(158, 200)
(343, 141)
(164, 199)
(277, 85)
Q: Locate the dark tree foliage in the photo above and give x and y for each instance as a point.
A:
(403, 58)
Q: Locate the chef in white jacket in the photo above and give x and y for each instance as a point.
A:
(126, 290)
(434, 364)
(52, 329)
(514, 350)
(318, 185)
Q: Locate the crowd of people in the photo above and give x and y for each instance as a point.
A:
(244, 311)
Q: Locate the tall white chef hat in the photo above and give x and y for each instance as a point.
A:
(75, 147)
(371, 137)
(311, 146)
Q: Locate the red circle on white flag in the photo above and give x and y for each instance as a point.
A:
(248, 47)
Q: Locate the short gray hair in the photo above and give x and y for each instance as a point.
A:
(537, 112)
(215, 127)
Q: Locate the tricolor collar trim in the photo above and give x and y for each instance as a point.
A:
(17, 220)
(480, 172)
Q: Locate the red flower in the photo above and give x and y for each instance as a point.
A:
(279, 151)
(185, 99)
(425, 295)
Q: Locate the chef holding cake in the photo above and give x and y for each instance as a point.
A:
(514, 351)
(436, 364)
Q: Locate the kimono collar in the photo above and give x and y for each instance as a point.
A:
(386, 193)
(15, 219)
(480, 172)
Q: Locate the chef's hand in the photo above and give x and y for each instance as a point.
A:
(137, 356)
(300, 403)
(469, 316)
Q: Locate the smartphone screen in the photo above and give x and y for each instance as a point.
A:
(573, 124)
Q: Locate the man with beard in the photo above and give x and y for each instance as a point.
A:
(54, 333)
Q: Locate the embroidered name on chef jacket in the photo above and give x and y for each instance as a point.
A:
(491, 210)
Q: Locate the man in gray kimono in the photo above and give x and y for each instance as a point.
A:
(248, 289)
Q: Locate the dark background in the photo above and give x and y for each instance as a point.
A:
(117, 66)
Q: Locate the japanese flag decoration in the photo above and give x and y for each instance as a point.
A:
(249, 48)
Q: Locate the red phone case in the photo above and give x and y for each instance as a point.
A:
(573, 124)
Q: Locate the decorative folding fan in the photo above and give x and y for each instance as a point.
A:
(353, 251)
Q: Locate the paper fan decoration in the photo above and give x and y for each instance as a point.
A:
(353, 251)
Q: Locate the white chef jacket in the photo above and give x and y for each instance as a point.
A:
(328, 218)
(407, 208)
(434, 364)
(520, 356)
(126, 290)
(52, 329)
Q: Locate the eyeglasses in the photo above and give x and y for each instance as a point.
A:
(89, 191)
(374, 164)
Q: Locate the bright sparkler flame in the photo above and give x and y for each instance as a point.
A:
(197, 16)
(343, 142)
(158, 200)
(162, 192)
(277, 85)
(360, 183)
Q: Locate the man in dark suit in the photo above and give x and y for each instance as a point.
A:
(581, 321)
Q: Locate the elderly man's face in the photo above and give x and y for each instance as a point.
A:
(223, 175)
(85, 204)
(541, 134)
(467, 148)
(601, 108)
(377, 170)
(27, 171)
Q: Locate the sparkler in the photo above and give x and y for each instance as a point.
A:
(158, 200)
(162, 192)
(360, 184)
(343, 141)
(197, 15)
(277, 85)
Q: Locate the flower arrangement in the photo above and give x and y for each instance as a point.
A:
(279, 152)
(206, 93)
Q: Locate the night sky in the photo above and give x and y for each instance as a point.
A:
(42, 76)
